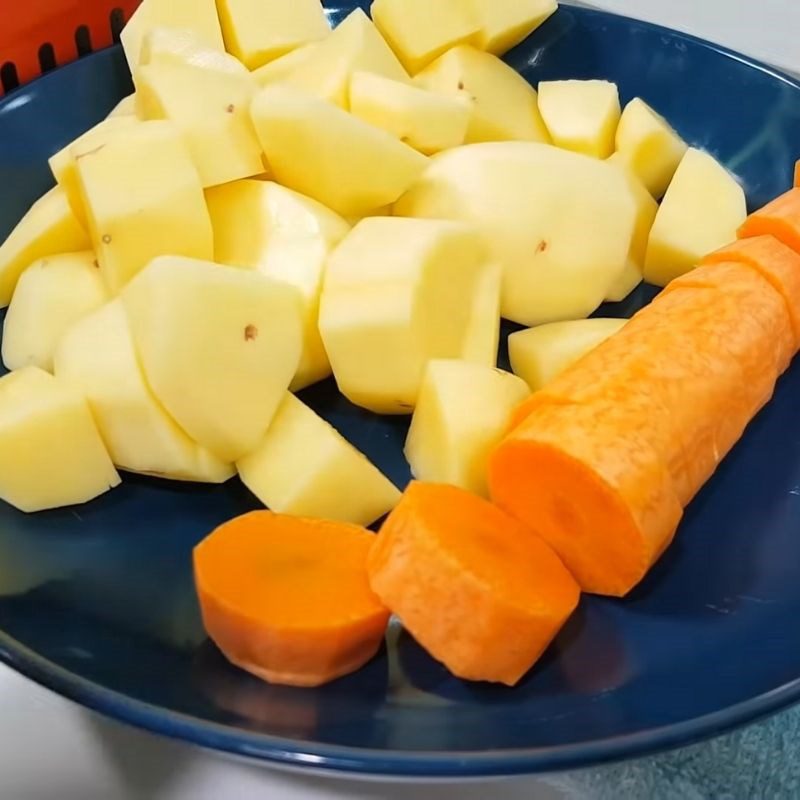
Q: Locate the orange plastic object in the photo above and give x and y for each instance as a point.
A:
(39, 35)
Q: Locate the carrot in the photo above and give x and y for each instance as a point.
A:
(797, 174)
(477, 589)
(780, 218)
(288, 599)
(603, 459)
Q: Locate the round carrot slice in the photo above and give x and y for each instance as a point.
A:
(288, 599)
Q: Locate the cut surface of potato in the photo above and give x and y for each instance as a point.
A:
(97, 358)
(419, 31)
(51, 454)
(161, 209)
(281, 68)
(701, 212)
(560, 224)
(359, 169)
(48, 227)
(427, 121)
(505, 105)
(541, 354)
(505, 23)
(212, 111)
(648, 145)
(355, 45)
(462, 412)
(398, 293)
(198, 16)
(51, 295)
(219, 347)
(304, 467)
(183, 46)
(287, 237)
(125, 108)
(259, 31)
(483, 334)
(581, 115)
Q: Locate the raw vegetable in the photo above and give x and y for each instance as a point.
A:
(185, 47)
(505, 23)
(479, 591)
(780, 218)
(281, 68)
(287, 599)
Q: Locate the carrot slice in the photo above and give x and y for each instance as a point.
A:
(288, 599)
(477, 589)
(774, 261)
(780, 218)
(610, 451)
(797, 174)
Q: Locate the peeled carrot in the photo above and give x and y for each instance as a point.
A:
(477, 589)
(797, 174)
(603, 459)
(288, 599)
(780, 218)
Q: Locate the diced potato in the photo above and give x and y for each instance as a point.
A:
(125, 108)
(649, 146)
(538, 355)
(581, 115)
(398, 293)
(286, 236)
(626, 283)
(63, 164)
(505, 23)
(97, 358)
(259, 31)
(198, 16)
(52, 294)
(354, 46)
(560, 224)
(48, 227)
(359, 169)
(143, 199)
(483, 335)
(419, 31)
(701, 212)
(426, 121)
(462, 413)
(281, 68)
(218, 346)
(51, 454)
(505, 105)
(183, 46)
(304, 467)
(212, 110)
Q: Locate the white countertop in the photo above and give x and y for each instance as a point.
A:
(89, 758)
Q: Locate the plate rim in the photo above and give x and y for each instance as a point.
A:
(369, 762)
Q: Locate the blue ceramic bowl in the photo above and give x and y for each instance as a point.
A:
(97, 603)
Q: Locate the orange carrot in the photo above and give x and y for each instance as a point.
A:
(780, 218)
(288, 599)
(797, 174)
(478, 590)
(604, 458)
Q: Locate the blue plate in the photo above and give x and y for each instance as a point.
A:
(97, 603)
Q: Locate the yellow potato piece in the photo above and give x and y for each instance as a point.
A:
(97, 358)
(647, 144)
(183, 46)
(463, 411)
(281, 68)
(259, 31)
(701, 212)
(581, 115)
(52, 294)
(48, 227)
(419, 31)
(426, 121)
(143, 199)
(212, 110)
(355, 45)
(219, 347)
(51, 454)
(359, 169)
(398, 293)
(538, 355)
(483, 333)
(560, 224)
(287, 237)
(505, 105)
(198, 16)
(505, 23)
(125, 108)
(304, 467)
